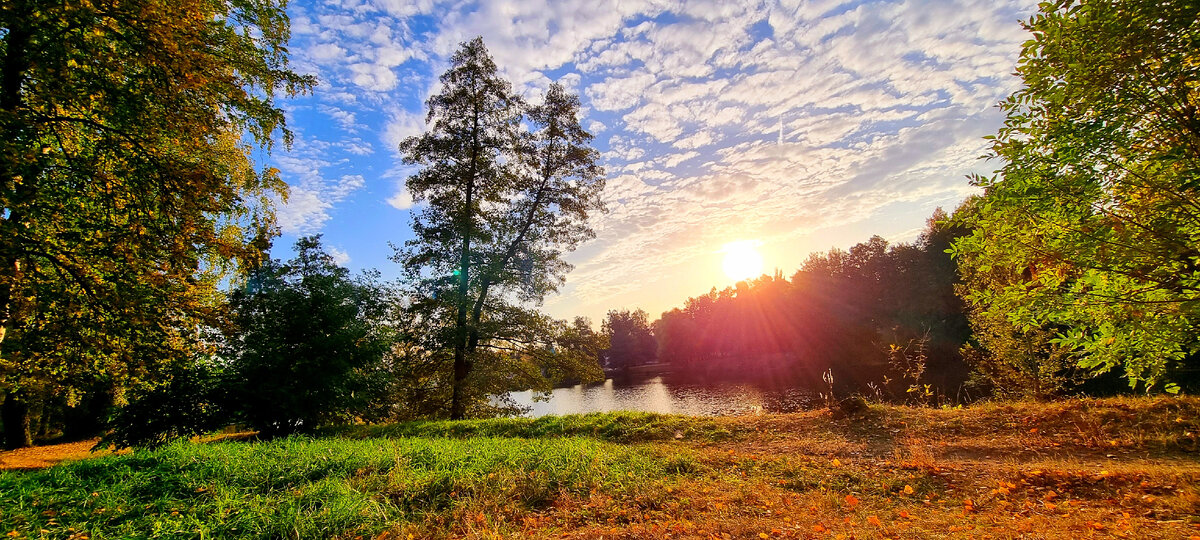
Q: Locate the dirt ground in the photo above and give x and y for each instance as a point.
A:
(38, 457)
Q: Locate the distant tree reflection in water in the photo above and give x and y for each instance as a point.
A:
(665, 396)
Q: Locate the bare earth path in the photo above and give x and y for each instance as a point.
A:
(39, 457)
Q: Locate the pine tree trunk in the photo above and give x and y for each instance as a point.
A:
(15, 414)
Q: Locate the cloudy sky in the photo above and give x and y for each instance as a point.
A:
(795, 125)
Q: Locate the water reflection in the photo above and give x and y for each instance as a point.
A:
(662, 396)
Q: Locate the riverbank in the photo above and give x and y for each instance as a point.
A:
(1072, 469)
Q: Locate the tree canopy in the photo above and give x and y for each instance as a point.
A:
(1089, 234)
(126, 185)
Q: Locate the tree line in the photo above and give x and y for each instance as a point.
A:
(870, 316)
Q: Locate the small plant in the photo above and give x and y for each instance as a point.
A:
(827, 396)
(876, 390)
(909, 362)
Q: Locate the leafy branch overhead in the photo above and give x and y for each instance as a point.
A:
(1090, 231)
(127, 191)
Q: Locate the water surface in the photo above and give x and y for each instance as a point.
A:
(663, 396)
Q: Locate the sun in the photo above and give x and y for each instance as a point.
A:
(742, 260)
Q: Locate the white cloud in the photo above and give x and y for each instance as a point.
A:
(401, 125)
(346, 119)
(327, 52)
(340, 257)
(311, 195)
(401, 200)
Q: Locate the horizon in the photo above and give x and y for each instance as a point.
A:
(795, 128)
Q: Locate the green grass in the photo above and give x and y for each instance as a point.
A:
(621, 427)
(306, 488)
(1008, 469)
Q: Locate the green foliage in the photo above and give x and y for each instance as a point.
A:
(630, 338)
(191, 401)
(312, 488)
(126, 186)
(502, 206)
(310, 344)
(1086, 241)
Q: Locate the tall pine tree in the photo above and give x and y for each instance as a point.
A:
(502, 205)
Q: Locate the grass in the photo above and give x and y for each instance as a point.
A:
(1111, 468)
(622, 426)
(317, 488)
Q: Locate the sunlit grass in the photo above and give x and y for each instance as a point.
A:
(305, 488)
(623, 426)
(1078, 468)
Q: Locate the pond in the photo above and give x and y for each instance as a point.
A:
(663, 396)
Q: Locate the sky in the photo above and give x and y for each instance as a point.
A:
(795, 126)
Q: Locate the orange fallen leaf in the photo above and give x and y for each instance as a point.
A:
(851, 500)
(908, 490)
(874, 521)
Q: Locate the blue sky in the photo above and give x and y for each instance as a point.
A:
(796, 125)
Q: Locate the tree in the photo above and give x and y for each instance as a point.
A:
(631, 341)
(309, 344)
(584, 346)
(126, 187)
(1088, 233)
(501, 207)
